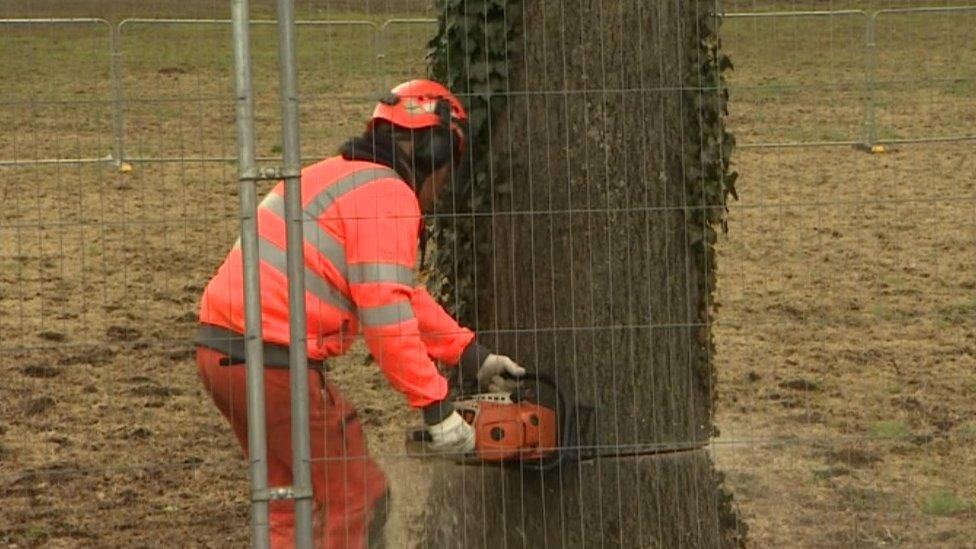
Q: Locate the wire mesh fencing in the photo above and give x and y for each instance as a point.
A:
(843, 347)
(848, 73)
(861, 439)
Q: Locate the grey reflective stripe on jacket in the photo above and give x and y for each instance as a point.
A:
(320, 239)
(317, 285)
(395, 273)
(386, 315)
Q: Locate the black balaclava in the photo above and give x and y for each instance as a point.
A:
(379, 145)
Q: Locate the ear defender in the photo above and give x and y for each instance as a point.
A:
(442, 139)
(390, 99)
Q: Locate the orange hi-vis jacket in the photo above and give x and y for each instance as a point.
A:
(362, 228)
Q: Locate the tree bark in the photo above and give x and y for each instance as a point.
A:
(587, 269)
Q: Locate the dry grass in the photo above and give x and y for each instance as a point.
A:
(851, 274)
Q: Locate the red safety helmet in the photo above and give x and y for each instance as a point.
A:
(419, 104)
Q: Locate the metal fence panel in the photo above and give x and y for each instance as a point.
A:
(821, 54)
(164, 85)
(926, 80)
(55, 97)
(403, 43)
(176, 78)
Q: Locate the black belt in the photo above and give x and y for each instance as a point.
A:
(231, 344)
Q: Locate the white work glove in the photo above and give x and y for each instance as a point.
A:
(453, 435)
(492, 371)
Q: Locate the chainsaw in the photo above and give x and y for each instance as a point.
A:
(532, 427)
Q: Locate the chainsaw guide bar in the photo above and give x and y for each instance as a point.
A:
(536, 427)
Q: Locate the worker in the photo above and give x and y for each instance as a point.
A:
(363, 224)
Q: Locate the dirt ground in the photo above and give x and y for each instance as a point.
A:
(845, 348)
(846, 290)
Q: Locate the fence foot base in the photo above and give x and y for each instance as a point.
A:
(872, 149)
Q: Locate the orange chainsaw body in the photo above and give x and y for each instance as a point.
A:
(510, 431)
(530, 428)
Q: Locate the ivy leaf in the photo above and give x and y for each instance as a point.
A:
(470, 53)
(478, 70)
(500, 69)
(476, 6)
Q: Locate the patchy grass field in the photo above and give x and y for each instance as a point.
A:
(847, 288)
(845, 348)
(846, 361)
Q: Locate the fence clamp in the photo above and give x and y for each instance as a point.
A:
(280, 493)
(268, 174)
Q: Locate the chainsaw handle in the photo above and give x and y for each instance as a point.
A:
(421, 435)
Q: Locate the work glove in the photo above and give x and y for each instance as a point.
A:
(498, 373)
(482, 370)
(452, 435)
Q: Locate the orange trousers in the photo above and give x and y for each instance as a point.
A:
(349, 488)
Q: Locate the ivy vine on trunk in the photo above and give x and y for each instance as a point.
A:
(470, 54)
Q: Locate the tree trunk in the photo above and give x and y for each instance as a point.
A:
(591, 267)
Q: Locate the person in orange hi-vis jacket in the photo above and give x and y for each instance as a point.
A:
(363, 211)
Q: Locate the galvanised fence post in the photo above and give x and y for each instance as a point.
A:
(254, 352)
